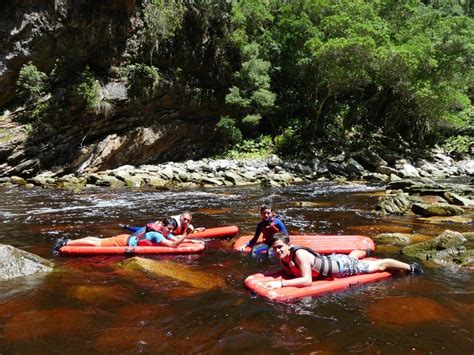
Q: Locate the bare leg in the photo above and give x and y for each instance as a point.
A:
(87, 241)
(382, 264)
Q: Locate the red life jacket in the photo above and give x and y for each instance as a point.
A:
(150, 227)
(268, 232)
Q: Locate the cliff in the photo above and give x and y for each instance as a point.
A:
(61, 38)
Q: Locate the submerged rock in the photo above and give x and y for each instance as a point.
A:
(51, 323)
(407, 311)
(17, 263)
(177, 271)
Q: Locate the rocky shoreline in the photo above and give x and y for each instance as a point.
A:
(272, 171)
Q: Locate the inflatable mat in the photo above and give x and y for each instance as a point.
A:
(183, 248)
(256, 284)
(217, 232)
(324, 244)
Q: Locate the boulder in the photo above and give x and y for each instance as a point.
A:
(17, 263)
(273, 160)
(399, 203)
(18, 180)
(407, 170)
(458, 200)
(448, 242)
(466, 167)
(436, 209)
(393, 238)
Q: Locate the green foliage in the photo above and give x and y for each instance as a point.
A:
(162, 18)
(459, 145)
(39, 111)
(88, 90)
(288, 143)
(142, 81)
(258, 148)
(227, 133)
(31, 83)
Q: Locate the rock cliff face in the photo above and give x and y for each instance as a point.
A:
(174, 124)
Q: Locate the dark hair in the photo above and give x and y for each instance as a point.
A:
(281, 237)
(169, 221)
(264, 207)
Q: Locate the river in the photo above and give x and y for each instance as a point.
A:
(89, 306)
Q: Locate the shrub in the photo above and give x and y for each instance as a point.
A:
(227, 133)
(31, 83)
(288, 143)
(88, 90)
(459, 145)
(142, 81)
(162, 18)
(250, 149)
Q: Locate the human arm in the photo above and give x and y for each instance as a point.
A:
(304, 261)
(280, 226)
(178, 239)
(254, 239)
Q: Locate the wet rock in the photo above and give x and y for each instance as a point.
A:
(133, 181)
(234, 178)
(458, 199)
(436, 209)
(400, 203)
(17, 180)
(17, 263)
(406, 170)
(370, 159)
(386, 170)
(444, 219)
(177, 271)
(52, 323)
(273, 161)
(112, 296)
(466, 167)
(432, 199)
(109, 181)
(436, 249)
(407, 311)
(354, 168)
(211, 181)
(154, 181)
(393, 238)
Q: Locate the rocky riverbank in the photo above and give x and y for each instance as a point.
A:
(272, 171)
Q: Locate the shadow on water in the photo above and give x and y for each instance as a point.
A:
(90, 305)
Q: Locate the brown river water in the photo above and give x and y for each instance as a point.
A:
(90, 306)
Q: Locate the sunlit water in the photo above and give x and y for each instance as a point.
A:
(88, 305)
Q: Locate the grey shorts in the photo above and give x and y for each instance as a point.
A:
(349, 266)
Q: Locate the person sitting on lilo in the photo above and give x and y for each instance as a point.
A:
(304, 264)
(268, 226)
(158, 236)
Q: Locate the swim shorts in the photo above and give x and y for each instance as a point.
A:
(120, 240)
(349, 266)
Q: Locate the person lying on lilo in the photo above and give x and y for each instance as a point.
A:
(305, 265)
(181, 223)
(159, 236)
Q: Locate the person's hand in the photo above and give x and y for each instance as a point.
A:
(274, 284)
(242, 248)
(200, 229)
